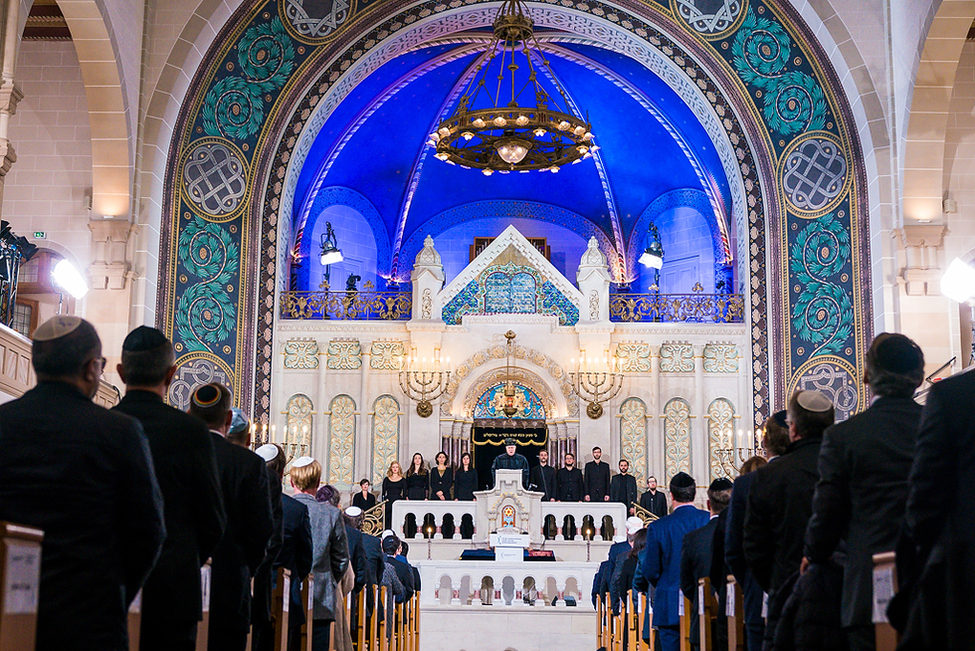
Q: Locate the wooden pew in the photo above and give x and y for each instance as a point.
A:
(280, 604)
(308, 599)
(707, 608)
(385, 623)
(735, 611)
(685, 623)
(203, 628)
(135, 622)
(884, 587)
(600, 622)
(20, 574)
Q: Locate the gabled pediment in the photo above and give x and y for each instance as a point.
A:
(510, 276)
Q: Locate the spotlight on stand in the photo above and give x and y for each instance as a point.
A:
(653, 255)
(330, 250)
(68, 278)
(14, 251)
(958, 284)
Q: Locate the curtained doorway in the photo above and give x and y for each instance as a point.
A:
(487, 439)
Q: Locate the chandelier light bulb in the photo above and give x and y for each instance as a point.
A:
(582, 149)
(579, 130)
(467, 135)
(564, 125)
(479, 123)
(512, 150)
(441, 156)
(522, 120)
(554, 169)
(487, 172)
(499, 121)
(539, 132)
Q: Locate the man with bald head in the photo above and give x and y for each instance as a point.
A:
(84, 476)
(183, 457)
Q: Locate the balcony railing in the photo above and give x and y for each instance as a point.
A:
(350, 305)
(680, 308)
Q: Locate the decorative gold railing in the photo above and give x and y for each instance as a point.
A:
(669, 308)
(350, 305)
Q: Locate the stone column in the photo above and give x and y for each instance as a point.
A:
(10, 95)
(700, 457)
(107, 304)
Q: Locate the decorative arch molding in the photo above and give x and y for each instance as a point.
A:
(633, 437)
(721, 441)
(774, 113)
(556, 391)
(522, 376)
(677, 438)
(341, 442)
(385, 436)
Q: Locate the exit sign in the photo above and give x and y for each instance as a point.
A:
(40, 235)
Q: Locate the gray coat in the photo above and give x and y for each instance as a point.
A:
(330, 553)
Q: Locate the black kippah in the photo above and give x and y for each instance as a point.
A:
(898, 354)
(206, 396)
(720, 484)
(682, 480)
(510, 441)
(144, 338)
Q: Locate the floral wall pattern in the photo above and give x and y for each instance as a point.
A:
(721, 439)
(341, 442)
(677, 438)
(385, 436)
(633, 438)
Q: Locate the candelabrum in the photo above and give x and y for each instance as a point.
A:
(728, 459)
(423, 383)
(596, 384)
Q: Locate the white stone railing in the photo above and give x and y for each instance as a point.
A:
(476, 584)
(458, 509)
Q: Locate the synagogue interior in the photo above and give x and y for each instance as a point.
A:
(400, 227)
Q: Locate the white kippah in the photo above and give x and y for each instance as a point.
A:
(633, 524)
(387, 533)
(814, 401)
(268, 452)
(56, 327)
(353, 511)
(301, 462)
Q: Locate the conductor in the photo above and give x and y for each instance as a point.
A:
(510, 460)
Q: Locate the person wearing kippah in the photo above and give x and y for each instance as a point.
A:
(510, 460)
(659, 564)
(780, 502)
(185, 464)
(864, 464)
(243, 480)
(84, 476)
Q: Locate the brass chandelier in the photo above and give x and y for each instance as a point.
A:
(491, 130)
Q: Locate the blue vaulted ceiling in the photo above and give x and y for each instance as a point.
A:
(374, 145)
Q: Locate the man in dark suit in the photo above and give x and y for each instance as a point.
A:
(938, 525)
(654, 500)
(775, 441)
(864, 463)
(622, 487)
(695, 563)
(295, 552)
(185, 465)
(392, 546)
(243, 480)
(780, 502)
(660, 560)
(597, 478)
(568, 481)
(84, 476)
(542, 477)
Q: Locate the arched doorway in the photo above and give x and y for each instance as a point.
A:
(492, 427)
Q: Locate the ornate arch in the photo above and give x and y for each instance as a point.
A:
(677, 438)
(762, 78)
(450, 403)
(385, 436)
(633, 437)
(721, 439)
(520, 375)
(341, 442)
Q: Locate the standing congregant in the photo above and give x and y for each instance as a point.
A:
(243, 480)
(84, 476)
(862, 491)
(597, 478)
(622, 487)
(568, 480)
(542, 477)
(654, 500)
(660, 561)
(183, 457)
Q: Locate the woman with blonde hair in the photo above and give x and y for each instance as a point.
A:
(394, 488)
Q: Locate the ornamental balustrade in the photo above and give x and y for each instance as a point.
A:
(591, 520)
(475, 584)
(681, 308)
(366, 304)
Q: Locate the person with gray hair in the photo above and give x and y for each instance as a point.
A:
(864, 464)
(84, 476)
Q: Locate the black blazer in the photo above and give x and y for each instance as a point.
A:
(779, 508)
(374, 559)
(655, 502)
(183, 457)
(568, 484)
(416, 486)
(542, 480)
(695, 563)
(364, 503)
(243, 479)
(864, 463)
(622, 489)
(465, 483)
(441, 483)
(83, 475)
(295, 553)
(597, 480)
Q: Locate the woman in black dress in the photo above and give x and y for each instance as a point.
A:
(441, 478)
(416, 479)
(465, 479)
(394, 488)
(364, 500)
